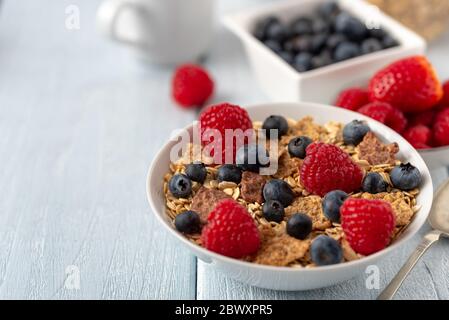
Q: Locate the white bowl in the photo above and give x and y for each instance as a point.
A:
(283, 83)
(283, 278)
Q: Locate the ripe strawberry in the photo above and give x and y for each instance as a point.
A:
(409, 84)
(385, 113)
(218, 119)
(231, 231)
(326, 168)
(191, 86)
(367, 224)
(352, 98)
(441, 128)
(419, 136)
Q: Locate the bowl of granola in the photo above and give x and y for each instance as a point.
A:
(309, 197)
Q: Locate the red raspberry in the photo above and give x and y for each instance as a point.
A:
(419, 136)
(352, 98)
(441, 128)
(222, 117)
(385, 113)
(445, 100)
(368, 224)
(327, 168)
(420, 146)
(410, 84)
(425, 118)
(191, 86)
(231, 231)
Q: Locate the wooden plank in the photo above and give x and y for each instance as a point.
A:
(80, 121)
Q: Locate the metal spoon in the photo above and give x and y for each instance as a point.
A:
(439, 220)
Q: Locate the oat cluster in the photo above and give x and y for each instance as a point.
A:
(277, 247)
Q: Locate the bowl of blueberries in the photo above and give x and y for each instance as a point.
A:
(308, 50)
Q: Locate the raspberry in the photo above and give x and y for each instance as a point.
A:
(327, 168)
(419, 136)
(420, 146)
(231, 231)
(425, 118)
(441, 128)
(191, 86)
(352, 98)
(445, 100)
(385, 113)
(223, 117)
(367, 224)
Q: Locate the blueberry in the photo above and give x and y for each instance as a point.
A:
(299, 226)
(350, 26)
(325, 251)
(277, 32)
(279, 190)
(180, 186)
(273, 210)
(301, 26)
(303, 62)
(188, 222)
(377, 33)
(320, 26)
(196, 172)
(251, 157)
(260, 31)
(332, 202)
(346, 50)
(302, 44)
(290, 46)
(322, 60)
(405, 177)
(370, 45)
(328, 9)
(229, 172)
(286, 56)
(389, 42)
(354, 132)
(297, 146)
(374, 183)
(334, 40)
(318, 42)
(273, 45)
(278, 123)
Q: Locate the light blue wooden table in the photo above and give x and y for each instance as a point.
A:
(80, 121)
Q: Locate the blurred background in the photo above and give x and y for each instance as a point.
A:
(85, 103)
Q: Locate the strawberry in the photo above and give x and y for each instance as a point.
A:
(410, 84)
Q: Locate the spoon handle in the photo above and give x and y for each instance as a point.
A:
(397, 281)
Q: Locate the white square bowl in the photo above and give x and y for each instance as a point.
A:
(281, 82)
